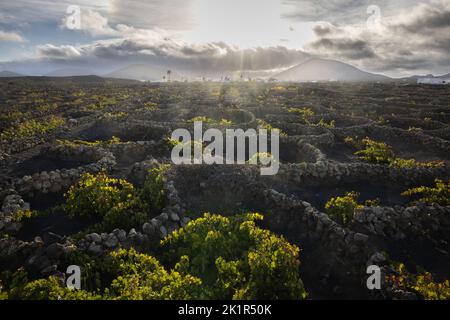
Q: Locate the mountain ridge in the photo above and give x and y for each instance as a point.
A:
(327, 70)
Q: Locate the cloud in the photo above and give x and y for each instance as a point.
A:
(10, 37)
(163, 14)
(413, 40)
(152, 48)
(58, 52)
(341, 12)
(91, 22)
(170, 15)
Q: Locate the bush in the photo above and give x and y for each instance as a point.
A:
(376, 152)
(423, 284)
(341, 209)
(3, 295)
(152, 196)
(112, 202)
(305, 113)
(136, 276)
(29, 128)
(235, 259)
(440, 194)
(382, 153)
(213, 257)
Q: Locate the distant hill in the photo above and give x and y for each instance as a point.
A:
(10, 74)
(70, 72)
(327, 70)
(428, 76)
(143, 72)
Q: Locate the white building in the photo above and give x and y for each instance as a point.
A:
(435, 81)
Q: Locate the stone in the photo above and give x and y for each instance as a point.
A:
(174, 217)
(359, 237)
(94, 237)
(95, 249)
(132, 233)
(111, 241)
(163, 231)
(148, 228)
(55, 251)
(120, 234)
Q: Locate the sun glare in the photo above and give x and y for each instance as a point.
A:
(249, 23)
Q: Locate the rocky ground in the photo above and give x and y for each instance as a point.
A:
(123, 126)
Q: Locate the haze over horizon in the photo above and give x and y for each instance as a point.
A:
(212, 37)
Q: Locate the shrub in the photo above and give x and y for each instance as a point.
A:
(3, 295)
(324, 124)
(213, 257)
(341, 209)
(305, 113)
(422, 284)
(30, 128)
(112, 202)
(22, 215)
(376, 152)
(135, 276)
(235, 259)
(382, 153)
(439, 194)
(201, 119)
(264, 125)
(261, 158)
(152, 196)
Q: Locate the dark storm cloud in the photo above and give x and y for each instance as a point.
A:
(416, 39)
(349, 48)
(341, 12)
(322, 10)
(215, 55)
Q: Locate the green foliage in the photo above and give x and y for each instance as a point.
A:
(152, 196)
(414, 129)
(115, 115)
(382, 153)
(439, 194)
(172, 142)
(3, 295)
(264, 125)
(112, 202)
(76, 143)
(235, 259)
(222, 122)
(213, 257)
(31, 128)
(411, 163)
(98, 195)
(261, 158)
(201, 119)
(341, 209)
(142, 277)
(305, 113)
(22, 215)
(136, 276)
(422, 284)
(376, 152)
(324, 124)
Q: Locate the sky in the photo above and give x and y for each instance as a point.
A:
(395, 38)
